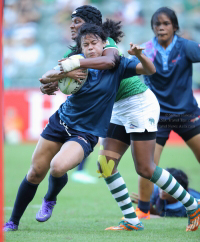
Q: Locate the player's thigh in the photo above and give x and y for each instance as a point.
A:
(157, 153)
(69, 156)
(143, 147)
(194, 144)
(192, 136)
(42, 156)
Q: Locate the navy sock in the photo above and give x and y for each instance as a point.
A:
(56, 184)
(25, 195)
(81, 165)
(144, 206)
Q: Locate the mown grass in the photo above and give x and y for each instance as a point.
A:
(84, 211)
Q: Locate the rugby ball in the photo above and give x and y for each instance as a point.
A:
(70, 86)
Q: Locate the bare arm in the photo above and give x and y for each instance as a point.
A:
(49, 88)
(107, 61)
(56, 75)
(145, 67)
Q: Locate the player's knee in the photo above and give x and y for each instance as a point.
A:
(145, 171)
(35, 175)
(57, 171)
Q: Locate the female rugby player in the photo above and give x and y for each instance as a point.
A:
(73, 130)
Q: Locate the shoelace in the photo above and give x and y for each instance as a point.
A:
(48, 205)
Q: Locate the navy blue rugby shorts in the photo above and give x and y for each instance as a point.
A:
(185, 125)
(56, 130)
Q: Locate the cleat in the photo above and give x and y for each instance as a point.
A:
(10, 226)
(45, 211)
(193, 218)
(141, 214)
(124, 225)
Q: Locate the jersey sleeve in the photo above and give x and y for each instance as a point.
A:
(67, 53)
(130, 67)
(192, 51)
(110, 43)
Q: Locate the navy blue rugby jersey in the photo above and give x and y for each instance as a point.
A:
(172, 82)
(89, 110)
(170, 210)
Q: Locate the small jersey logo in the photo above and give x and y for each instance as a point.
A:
(177, 59)
(132, 126)
(151, 121)
(195, 119)
(107, 42)
(81, 138)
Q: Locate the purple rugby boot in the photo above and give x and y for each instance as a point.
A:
(45, 211)
(10, 226)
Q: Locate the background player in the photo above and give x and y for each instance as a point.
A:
(163, 204)
(172, 84)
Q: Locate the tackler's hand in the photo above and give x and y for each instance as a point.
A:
(135, 50)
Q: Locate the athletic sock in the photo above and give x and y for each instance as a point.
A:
(168, 183)
(25, 195)
(56, 184)
(119, 191)
(144, 206)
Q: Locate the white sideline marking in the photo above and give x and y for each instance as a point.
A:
(31, 206)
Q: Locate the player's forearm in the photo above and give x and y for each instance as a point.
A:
(52, 76)
(99, 63)
(147, 64)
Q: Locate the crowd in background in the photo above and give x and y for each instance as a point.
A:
(37, 33)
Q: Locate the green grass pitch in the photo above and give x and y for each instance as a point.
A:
(84, 211)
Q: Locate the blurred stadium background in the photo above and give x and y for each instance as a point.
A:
(37, 34)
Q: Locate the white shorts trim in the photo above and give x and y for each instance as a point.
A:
(137, 113)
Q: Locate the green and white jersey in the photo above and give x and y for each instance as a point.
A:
(129, 86)
(67, 53)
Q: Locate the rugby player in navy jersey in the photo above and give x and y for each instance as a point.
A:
(172, 56)
(73, 131)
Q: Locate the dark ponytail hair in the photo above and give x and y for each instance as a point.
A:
(113, 30)
(170, 14)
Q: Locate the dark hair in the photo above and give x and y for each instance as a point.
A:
(98, 31)
(113, 30)
(170, 14)
(180, 176)
(87, 29)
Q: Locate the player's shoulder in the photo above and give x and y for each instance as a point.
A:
(186, 44)
(67, 53)
(110, 43)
